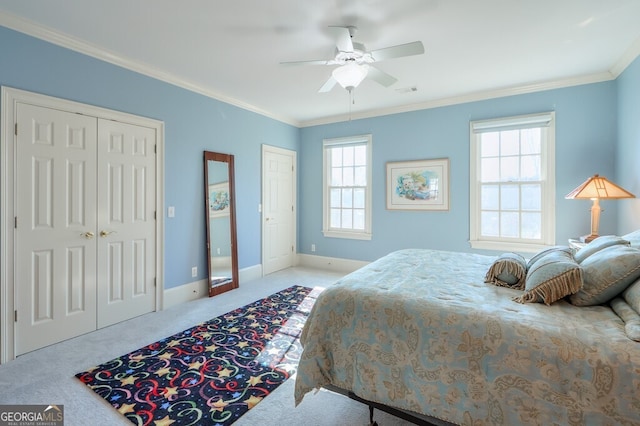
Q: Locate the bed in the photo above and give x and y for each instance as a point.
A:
(420, 331)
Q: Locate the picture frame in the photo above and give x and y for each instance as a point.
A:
(418, 185)
(219, 199)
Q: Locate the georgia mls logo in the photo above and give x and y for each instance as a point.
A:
(31, 415)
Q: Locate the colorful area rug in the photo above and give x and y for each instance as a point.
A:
(213, 373)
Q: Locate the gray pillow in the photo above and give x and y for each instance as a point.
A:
(633, 238)
(632, 295)
(551, 276)
(630, 317)
(508, 270)
(597, 245)
(546, 251)
(607, 273)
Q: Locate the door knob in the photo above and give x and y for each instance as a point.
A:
(104, 233)
(88, 235)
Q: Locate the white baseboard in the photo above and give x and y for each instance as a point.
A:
(251, 273)
(330, 263)
(197, 289)
(185, 293)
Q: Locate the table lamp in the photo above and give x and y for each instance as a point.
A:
(597, 188)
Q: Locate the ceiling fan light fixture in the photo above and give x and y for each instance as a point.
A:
(350, 75)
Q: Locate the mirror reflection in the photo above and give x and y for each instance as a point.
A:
(221, 230)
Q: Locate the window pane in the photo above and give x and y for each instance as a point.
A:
(358, 219)
(489, 224)
(347, 197)
(510, 225)
(336, 176)
(360, 155)
(358, 198)
(360, 176)
(335, 218)
(531, 197)
(490, 170)
(510, 142)
(509, 169)
(347, 221)
(347, 176)
(334, 200)
(530, 141)
(530, 169)
(336, 157)
(490, 144)
(347, 182)
(490, 197)
(531, 225)
(510, 183)
(347, 156)
(510, 197)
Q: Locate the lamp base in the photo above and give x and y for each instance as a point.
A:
(588, 238)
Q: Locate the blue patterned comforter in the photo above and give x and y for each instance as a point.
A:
(420, 330)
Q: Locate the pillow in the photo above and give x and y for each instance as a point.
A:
(630, 317)
(551, 276)
(633, 238)
(606, 274)
(632, 295)
(597, 245)
(545, 252)
(508, 270)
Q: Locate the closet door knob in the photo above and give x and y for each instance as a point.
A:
(88, 235)
(104, 233)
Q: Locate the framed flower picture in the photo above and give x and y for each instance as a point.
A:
(219, 199)
(418, 185)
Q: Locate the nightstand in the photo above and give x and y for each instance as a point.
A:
(574, 243)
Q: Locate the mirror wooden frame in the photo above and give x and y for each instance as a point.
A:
(233, 282)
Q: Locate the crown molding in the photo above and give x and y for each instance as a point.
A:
(44, 33)
(64, 40)
(627, 58)
(472, 97)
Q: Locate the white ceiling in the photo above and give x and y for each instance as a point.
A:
(231, 50)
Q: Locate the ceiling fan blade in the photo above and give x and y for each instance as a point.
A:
(314, 62)
(326, 87)
(408, 49)
(343, 38)
(381, 77)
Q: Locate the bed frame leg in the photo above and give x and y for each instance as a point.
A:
(371, 422)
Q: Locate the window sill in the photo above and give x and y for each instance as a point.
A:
(347, 235)
(507, 246)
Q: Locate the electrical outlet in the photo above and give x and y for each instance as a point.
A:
(313, 248)
(194, 271)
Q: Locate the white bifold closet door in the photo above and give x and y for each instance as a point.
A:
(85, 224)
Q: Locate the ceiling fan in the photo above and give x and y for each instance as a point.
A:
(354, 60)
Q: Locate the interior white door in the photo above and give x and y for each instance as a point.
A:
(85, 224)
(278, 209)
(126, 221)
(55, 253)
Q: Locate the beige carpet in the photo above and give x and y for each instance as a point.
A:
(46, 376)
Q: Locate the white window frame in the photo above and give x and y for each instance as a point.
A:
(326, 175)
(546, 121)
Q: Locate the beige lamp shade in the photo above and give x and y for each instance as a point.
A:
(596, 188)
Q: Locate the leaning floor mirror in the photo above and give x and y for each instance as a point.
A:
(221, 222)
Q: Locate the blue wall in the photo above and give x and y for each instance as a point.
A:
(628, 160)
(587, 135)
(193, 123)
(585, 144)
